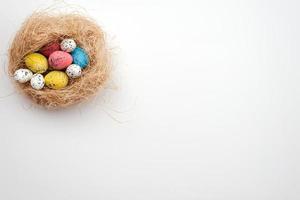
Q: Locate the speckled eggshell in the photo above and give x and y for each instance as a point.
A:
(48, 49)
(60, 60)
(80, 57)
(56, 80)
(36, 62)
(23, 75)
(37, 82)
(68, 45)
(73, 71)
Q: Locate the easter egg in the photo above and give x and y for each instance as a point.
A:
(68, 45)
(37, 82)
(36, 62)
(50, 48)
(60, 60)
(73, 71)
(56, 80)
(23, 75)
(80, 57)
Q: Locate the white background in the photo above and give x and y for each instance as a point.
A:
(203, 104)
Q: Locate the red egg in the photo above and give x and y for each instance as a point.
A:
(60, 60)
(50, 48)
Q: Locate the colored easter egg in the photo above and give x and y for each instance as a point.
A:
(50, 48)
(37, 82)
(68, 45)
(23, 75)
(56, 80)
(73, 71)
(60, 60)
(80, 57)
(36, 62)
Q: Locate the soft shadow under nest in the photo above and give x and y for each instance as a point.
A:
(42, 28)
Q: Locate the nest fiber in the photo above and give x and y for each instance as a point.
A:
(42, 28)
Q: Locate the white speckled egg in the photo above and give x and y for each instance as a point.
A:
(68, 45)
(74, 71)
(23, 75)
(37, 82)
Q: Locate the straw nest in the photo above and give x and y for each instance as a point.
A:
(42, 28)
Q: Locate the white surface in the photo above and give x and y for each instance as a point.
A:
(206, 107)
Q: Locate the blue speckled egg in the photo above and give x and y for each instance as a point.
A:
(80, 57)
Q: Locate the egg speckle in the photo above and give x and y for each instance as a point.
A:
(36, 62)
(74, 71)
(80, 57)
(37, 82)
(56, 80)
(68, 45)
(23, 75)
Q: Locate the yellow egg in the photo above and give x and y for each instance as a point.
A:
(56, 80)
(36, 62)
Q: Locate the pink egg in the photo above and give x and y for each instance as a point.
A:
(60, 60)
(48, 49)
